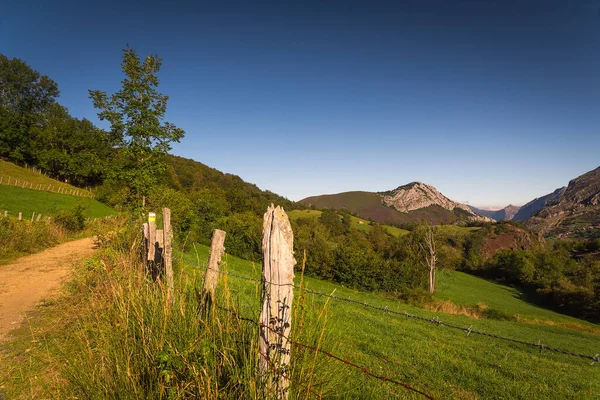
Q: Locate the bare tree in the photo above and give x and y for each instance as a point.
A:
(430, 257)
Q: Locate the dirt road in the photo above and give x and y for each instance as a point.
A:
(27, 280)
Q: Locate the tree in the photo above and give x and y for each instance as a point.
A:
(430, 256)
(25, 95)
(136, 114)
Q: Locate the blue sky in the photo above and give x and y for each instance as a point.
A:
(492, 102)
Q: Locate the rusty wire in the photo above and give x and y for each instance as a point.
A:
(436, 321)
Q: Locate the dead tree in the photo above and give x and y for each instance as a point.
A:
(430, 257)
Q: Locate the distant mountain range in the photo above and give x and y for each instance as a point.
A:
(408, 203)
(507, 213)
(516, 213)
(573, 210)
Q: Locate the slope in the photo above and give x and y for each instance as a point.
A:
(358, 223)
(44, 196)
(574, 214)
(443, 362)
(13, 175)
(537, 204)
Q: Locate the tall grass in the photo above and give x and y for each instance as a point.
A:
(133, 342)
(24, 237)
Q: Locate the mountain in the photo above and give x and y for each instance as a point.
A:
(574, 213)
(535, 205)
(505, 214)
(405, 204)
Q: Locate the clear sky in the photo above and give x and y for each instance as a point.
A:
(492, 102)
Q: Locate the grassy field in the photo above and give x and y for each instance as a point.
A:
(359, 223)
(13, 171)
(125, 342)
(468, 290)
(442, 361)
(27, 201)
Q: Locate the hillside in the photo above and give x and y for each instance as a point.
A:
(357, 223)
(537, 204)
(406, 204)
(445, 362)
(576, 213)
(28, 201)
(189, 175)
(46, 195)
(13, 175)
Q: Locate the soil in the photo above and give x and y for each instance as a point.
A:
(30, 279)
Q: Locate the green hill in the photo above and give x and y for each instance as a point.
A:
(42, 198)
(27, 201)
(443, 362)
(188, 175)
(13, 175)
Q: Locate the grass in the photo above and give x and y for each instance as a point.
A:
(475, 290)
(8, 169)
(442, 361)
(113, 337)
(27, 201)
(358, 223)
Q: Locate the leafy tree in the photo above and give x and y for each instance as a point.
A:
(25, 95)
(136, 114)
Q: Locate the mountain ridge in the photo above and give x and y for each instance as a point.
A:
(406, 204)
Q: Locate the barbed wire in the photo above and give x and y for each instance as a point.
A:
(288, 378)
(468, 330)
(364, 370)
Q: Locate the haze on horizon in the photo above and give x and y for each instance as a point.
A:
(490, 102)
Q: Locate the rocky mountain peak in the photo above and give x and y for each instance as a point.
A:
(418, 195)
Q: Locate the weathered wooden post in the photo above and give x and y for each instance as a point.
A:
(5, 213)
(20, 216)
(168, 251)
(32, 215)
(278, 294)
(38, 218)
(151, 235)
(211, 277)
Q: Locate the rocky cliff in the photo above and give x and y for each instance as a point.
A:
(574, 213)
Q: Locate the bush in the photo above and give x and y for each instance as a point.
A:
(18, 237)
(72, 220)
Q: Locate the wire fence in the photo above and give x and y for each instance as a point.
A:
(468, 330)
(45, 187)
(318, 350)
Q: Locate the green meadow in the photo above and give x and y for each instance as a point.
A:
(443, 362)
(27, 201)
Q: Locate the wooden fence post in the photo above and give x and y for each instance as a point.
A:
(211, 277)
(168, 251)
(20, 216)
(32, 215)
(5, 213)
(38, 218)
(278, 294)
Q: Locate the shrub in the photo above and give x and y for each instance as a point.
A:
(72, 220)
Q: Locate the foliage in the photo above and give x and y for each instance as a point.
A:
(72, 219)
(23, 237)
(135, 114)
(36, 130)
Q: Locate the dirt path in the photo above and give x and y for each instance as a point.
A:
(26, 281)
